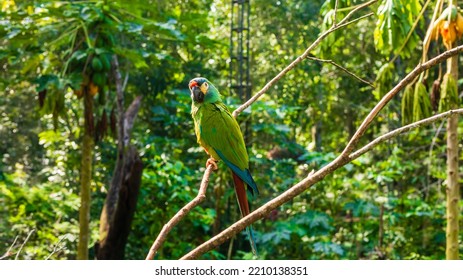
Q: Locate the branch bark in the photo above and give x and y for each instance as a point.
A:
(341, 160)
(180, 214)
(24, 243)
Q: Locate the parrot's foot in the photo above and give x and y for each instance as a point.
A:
(212, 162)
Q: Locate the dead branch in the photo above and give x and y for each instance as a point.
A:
(120, 102)
(129, 118)
(9, 252)
(24, 243)
(58, 246)
(180, 214)
(341, 160)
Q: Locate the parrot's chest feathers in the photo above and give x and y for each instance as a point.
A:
(203, 117)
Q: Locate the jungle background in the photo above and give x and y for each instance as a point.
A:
(388, 204)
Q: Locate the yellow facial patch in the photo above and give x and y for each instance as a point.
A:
(204, 87)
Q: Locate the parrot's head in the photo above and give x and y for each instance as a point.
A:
(202, 91)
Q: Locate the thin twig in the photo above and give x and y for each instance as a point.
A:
(180, 214)
(335, 12)
(9, 253)
(24, 243)
(126, 79)
(344, 22)
(342, 68)
(56, 248)
(352, 21)
(359, 7)
(303, 185)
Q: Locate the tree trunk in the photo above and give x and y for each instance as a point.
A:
(452, 190)
(316, 132)
(85, 177)
(119, 208)
(120, 205)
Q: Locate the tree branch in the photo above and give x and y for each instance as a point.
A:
(58, 247)
(388, 96)
(24, 243)
(180, 214)
(342, 68)
(129, 118)
(341, 160)
(359, 7)
(403, 129)
(298, 60)
(9, 252)
(120, 103)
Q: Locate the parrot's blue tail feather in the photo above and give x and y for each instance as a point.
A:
(251, 240)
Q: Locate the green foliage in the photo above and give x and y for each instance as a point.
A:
(448, 94)
(384, 80)
(387, 204)
(407, 104)
(395, 21)
(421, 102)
(48, 209)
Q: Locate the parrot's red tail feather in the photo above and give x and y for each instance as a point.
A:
(240, 190)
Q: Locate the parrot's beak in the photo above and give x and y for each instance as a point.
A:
(197, 94)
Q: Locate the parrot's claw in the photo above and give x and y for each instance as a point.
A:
(212, 162)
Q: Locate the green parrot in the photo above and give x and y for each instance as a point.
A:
(219, 134)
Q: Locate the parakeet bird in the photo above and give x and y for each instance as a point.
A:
(219, 134)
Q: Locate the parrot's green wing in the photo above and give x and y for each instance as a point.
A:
(220, 134)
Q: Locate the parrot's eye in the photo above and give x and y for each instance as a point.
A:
(204, 87)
